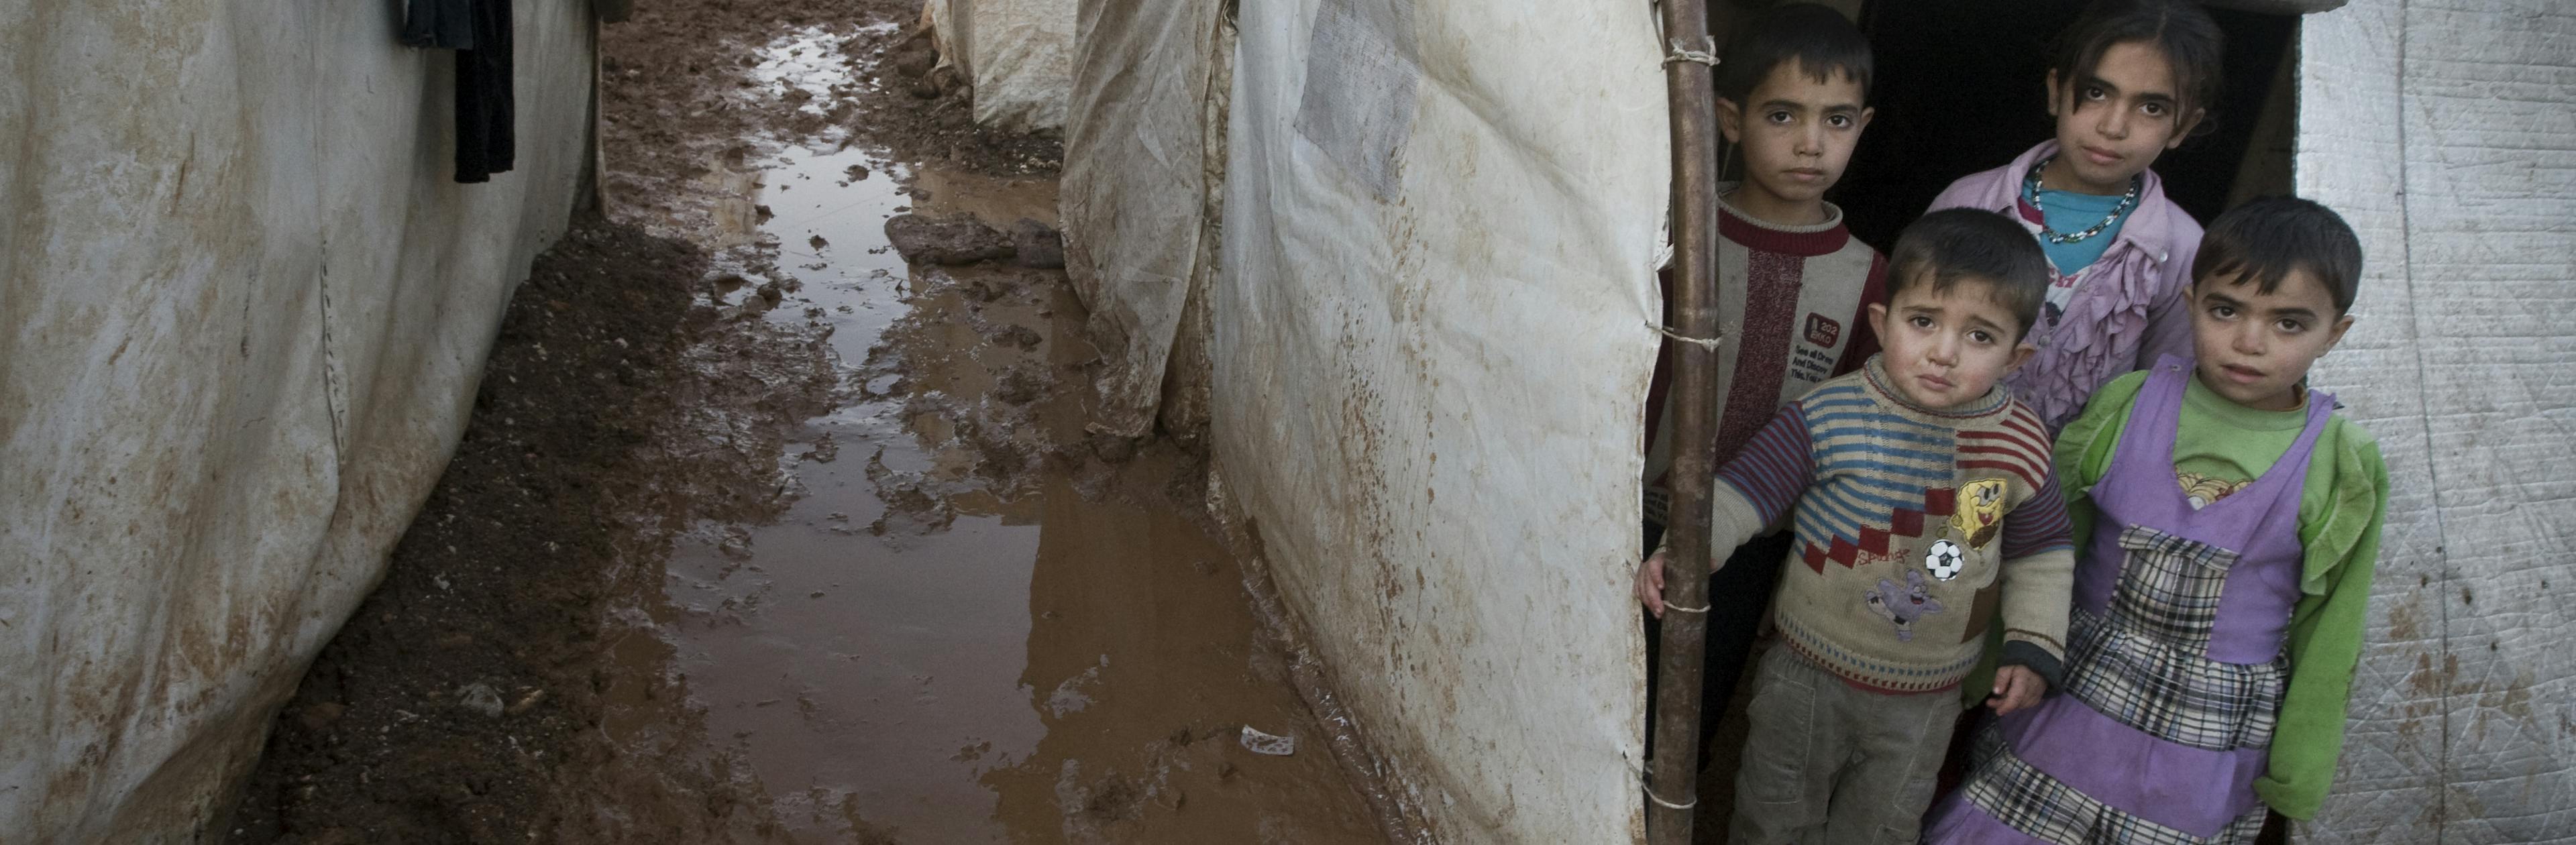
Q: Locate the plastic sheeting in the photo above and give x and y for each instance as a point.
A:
(2444, 133)
(246, 310)
(1430, 358)
(1144, 168)
(1018, 54)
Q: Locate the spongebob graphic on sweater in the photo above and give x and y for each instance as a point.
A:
(1981, 511)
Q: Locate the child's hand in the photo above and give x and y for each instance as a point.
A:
(1650, 584)
(2016, 687)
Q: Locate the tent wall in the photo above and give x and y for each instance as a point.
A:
(1430, 357)
(246, 309)
(1019, 54)
(2443, 132)
(1144, 167)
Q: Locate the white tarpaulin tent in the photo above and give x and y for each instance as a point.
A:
(1430, 358)
(1429, 355)
(1017, 53)
(1427, 358)
(246, 311)
(2446, 133)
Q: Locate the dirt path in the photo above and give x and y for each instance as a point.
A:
(759, 534)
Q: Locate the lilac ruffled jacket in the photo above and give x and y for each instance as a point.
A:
(2130, 308)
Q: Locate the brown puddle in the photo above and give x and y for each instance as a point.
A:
(778, 540)
(964, 625)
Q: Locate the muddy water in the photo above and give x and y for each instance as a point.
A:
(964, 626)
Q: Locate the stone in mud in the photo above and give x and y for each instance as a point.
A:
(1038, 244)
(1113, 449)
(321, 714)
(1020, 336)
(1018, 387)
(954, 240)
(949, 80)
(480, 698)
(913, 63)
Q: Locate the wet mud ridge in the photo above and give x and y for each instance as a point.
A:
(761, 532)
(452, 703)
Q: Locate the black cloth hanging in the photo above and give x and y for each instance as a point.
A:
(439, 23)
(484, 103)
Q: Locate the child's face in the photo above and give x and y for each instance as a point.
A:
(1796, 134)
(2112, 123)
(1948, 348)
(2256, 347)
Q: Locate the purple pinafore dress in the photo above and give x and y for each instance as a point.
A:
(2174, 664)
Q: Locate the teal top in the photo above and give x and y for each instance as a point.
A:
(2068, 213)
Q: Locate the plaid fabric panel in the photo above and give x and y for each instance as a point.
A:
(2028, 800)
(2169, 586)
(2146, 665)
(2171, 693)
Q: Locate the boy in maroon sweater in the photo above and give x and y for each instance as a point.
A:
(1793, 286)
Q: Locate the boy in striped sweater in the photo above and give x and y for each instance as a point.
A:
(1916, 488)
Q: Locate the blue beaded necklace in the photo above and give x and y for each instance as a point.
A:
(2030, 192)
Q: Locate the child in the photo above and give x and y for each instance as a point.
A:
(2219, 610)
(1921, 489)
(1793, 285)
(2130, 79)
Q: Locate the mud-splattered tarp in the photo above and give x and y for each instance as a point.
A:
(2445, 134)
(1144, 173)
(244, 313)
(1440, 226)
(1018, 54)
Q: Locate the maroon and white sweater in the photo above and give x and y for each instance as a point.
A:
(1793, 311)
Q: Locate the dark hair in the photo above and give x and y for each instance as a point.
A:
(1817, 38)
(2191, 42)
(1969, 243)
(2263, 241)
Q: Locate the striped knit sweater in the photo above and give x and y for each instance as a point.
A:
(1909, 522)
(1792, 311)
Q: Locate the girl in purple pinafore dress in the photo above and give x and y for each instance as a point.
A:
(2175, 670)
(2227, 525)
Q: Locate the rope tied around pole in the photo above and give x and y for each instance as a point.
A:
(1646, 777)
(1667, 549)
(1708, 343)
(1678, 52)
(1651, 796)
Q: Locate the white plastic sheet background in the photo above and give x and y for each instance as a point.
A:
(246, 309)
(2444, 132)
(1430, 364)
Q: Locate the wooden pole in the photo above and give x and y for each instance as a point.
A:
(1673, 783)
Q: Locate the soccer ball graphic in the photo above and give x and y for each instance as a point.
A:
(1944, 560)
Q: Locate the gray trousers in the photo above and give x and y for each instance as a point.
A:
(1828, 764)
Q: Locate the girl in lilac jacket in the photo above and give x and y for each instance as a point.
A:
(2129, 80)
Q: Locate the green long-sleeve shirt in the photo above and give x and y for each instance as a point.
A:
(2219, 446)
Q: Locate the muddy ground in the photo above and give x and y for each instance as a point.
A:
(759, 533)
